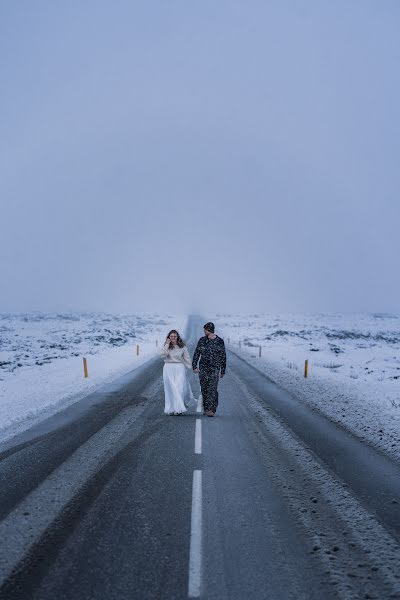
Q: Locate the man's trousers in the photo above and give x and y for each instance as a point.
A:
(209, 379)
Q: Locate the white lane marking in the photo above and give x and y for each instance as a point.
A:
(197, 437)
(199, 404)
(195, 537)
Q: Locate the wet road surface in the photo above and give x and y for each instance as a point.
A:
(113, 499)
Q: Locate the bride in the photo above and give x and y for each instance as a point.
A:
(178, 393)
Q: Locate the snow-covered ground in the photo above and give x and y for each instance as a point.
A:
(354, 365)
(353, 378)
(41, 358)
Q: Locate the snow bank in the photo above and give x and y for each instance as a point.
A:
(41, 359)
(354, 365)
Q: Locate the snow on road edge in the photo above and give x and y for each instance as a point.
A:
(339, 401)
(39, 392)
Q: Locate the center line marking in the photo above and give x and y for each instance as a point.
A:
(195, 537)
(197, 437)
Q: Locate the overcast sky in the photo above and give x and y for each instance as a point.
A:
(194, 156)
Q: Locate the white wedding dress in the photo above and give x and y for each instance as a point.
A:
(178, 392)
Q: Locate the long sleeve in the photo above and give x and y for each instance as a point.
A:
(165, 351)
(223, 358)
(196, 355)
(186, 358)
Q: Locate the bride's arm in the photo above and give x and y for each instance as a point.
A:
(187, 361)
(165, 351)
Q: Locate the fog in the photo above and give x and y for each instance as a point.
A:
(200, 156)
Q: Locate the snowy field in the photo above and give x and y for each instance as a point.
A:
(41, 358)
(353, 377)
(354, 365)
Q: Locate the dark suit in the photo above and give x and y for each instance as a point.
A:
(212, 362)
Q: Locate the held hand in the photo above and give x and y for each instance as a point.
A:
(196, 370)
(221, 375)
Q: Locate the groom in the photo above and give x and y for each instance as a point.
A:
(211, 348)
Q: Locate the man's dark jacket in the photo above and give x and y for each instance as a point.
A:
(212, 354)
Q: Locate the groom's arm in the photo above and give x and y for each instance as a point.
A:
(196, 356)
(223, 359)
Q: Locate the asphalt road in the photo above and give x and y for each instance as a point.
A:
(112, 499)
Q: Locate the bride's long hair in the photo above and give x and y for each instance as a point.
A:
(179, 340)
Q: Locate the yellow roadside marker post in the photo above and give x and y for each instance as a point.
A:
(137, 350)
(85, 369)
(306, 368)
(259, 351)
